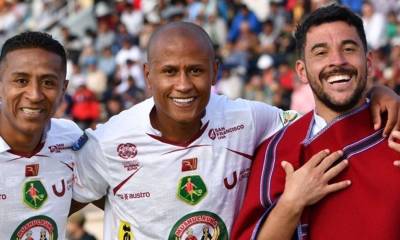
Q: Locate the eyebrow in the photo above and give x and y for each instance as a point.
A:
(50, 75)
(324, 45)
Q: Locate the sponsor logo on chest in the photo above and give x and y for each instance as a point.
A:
(223, 132)
(128, 151)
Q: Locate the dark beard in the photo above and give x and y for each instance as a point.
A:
(327, 101)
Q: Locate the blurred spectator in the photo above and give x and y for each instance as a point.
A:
(75, 228)
(114, 105)
(122, 35)
(230, 84)
(216, 29)
(128, 51)
(96, 80)
(374, 25)
(76, 79)
(105, 36)
(133, 19)
(72, 44)
(243, 15)
(106, 62)
(133, 94)
(85, 108)
(354, 5)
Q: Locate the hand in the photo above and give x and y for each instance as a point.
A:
(383, 99)
(308, 184)
(395, 135)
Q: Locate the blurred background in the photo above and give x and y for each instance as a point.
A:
(106, 41)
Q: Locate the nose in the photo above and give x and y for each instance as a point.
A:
(183, 82)
(34, 92)
(337, 58)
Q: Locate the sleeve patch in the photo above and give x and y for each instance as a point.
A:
(78, 144)
(288, 116)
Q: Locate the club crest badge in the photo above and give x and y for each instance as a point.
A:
(192, 189)
(125, 231)
(37, 227)
(199, 225)
(127, 150)
(34, 194)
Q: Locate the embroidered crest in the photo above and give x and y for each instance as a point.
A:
(127, 150)
(37, 227)
(199, 225)
(288, 116)
(34, 194)
(125, 231)
(192, 189)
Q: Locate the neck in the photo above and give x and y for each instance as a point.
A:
(175, 132)
(329, 114)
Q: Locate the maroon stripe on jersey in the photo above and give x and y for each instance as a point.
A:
(115, 190)
(66, 164)
(183, 144)
(181, 149)
(242, 154)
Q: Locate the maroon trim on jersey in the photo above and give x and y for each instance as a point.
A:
(183, 144)
(177, 150)
(242, 154)
(66, 164)
(29, 155)
(115, 190)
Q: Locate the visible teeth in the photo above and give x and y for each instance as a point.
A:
(30, 110)
(336, 78)
(183, 100)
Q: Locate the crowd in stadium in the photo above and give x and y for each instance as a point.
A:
(253, 40)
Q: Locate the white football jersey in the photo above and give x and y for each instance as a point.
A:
(160, 190)
(36, 191)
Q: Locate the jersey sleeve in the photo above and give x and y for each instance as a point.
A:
(269, 119)
(90, 171)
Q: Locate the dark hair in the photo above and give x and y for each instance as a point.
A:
(34, 40)
(328, 14)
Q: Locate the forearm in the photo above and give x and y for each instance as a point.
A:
(281, 222)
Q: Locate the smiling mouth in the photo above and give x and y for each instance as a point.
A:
(338, 79)
(32, 111)
(183, 101)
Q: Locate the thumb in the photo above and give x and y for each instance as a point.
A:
(287, 167)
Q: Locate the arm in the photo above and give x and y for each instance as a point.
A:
(383, 99)
(303, 187)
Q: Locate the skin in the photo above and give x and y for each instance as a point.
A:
(32, 84)
(328, 46)
(179, 75)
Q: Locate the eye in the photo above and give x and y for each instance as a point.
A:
(49, 83)
(349, 49)
(320, 53)
(21, 81)
(169, 71)
(196, 71)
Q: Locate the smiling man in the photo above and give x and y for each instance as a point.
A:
(178, 162)
(284, 203)
(36, 164)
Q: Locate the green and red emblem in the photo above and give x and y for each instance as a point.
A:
(199, 225)
(191, 189)
(34, 194)
(37, 227)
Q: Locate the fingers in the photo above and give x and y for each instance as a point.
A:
(329, 160)
(392, 120)
(334, 171)
(334, 187)
(394, 139)
(287, 167)
(396, 163)
(376, 116)
(317, 158)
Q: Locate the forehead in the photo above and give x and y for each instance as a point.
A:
(174, 45)
(331, 33)
(32, 60)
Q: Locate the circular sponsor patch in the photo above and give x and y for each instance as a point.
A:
(127, 150)
(37, 227)
(199, 225)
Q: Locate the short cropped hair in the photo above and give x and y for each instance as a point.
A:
(328, 14)
(34, 40)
